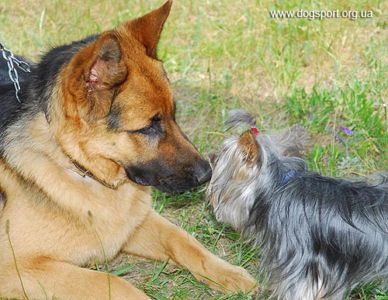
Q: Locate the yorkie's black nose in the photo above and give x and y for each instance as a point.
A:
(203, 172)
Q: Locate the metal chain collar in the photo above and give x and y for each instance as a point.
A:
(12, 61)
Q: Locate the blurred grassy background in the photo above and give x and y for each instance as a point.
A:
(325, 74)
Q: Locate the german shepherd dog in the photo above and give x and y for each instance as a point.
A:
(95, 130)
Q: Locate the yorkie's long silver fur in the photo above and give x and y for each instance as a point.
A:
(320, 236)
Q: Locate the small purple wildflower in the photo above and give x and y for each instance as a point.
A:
(346, 130)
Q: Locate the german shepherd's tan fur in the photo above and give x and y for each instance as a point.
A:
(75, 174)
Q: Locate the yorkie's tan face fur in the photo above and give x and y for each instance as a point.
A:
(240, 166)
(233, 179)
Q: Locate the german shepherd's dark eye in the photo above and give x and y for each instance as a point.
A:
(153, 129)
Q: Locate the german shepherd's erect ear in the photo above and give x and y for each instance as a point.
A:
(109, 70)
(116, 117)
(103, 67)
(147, 29)
(102, 77)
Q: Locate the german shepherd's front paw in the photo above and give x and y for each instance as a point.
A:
(229, 278)
(238, 279)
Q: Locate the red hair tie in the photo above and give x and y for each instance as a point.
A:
(255, 131)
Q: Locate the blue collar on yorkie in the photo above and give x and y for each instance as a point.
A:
(289, 175)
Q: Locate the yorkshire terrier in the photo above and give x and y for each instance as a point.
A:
(319, 236)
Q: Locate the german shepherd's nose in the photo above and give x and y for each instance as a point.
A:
(203, 172)
(171, 176)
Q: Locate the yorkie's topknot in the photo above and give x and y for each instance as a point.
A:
(238, 117)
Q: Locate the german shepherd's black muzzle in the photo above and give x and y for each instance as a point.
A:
(166, 178)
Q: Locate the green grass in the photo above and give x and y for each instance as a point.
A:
(222, 54)
(356, 106)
